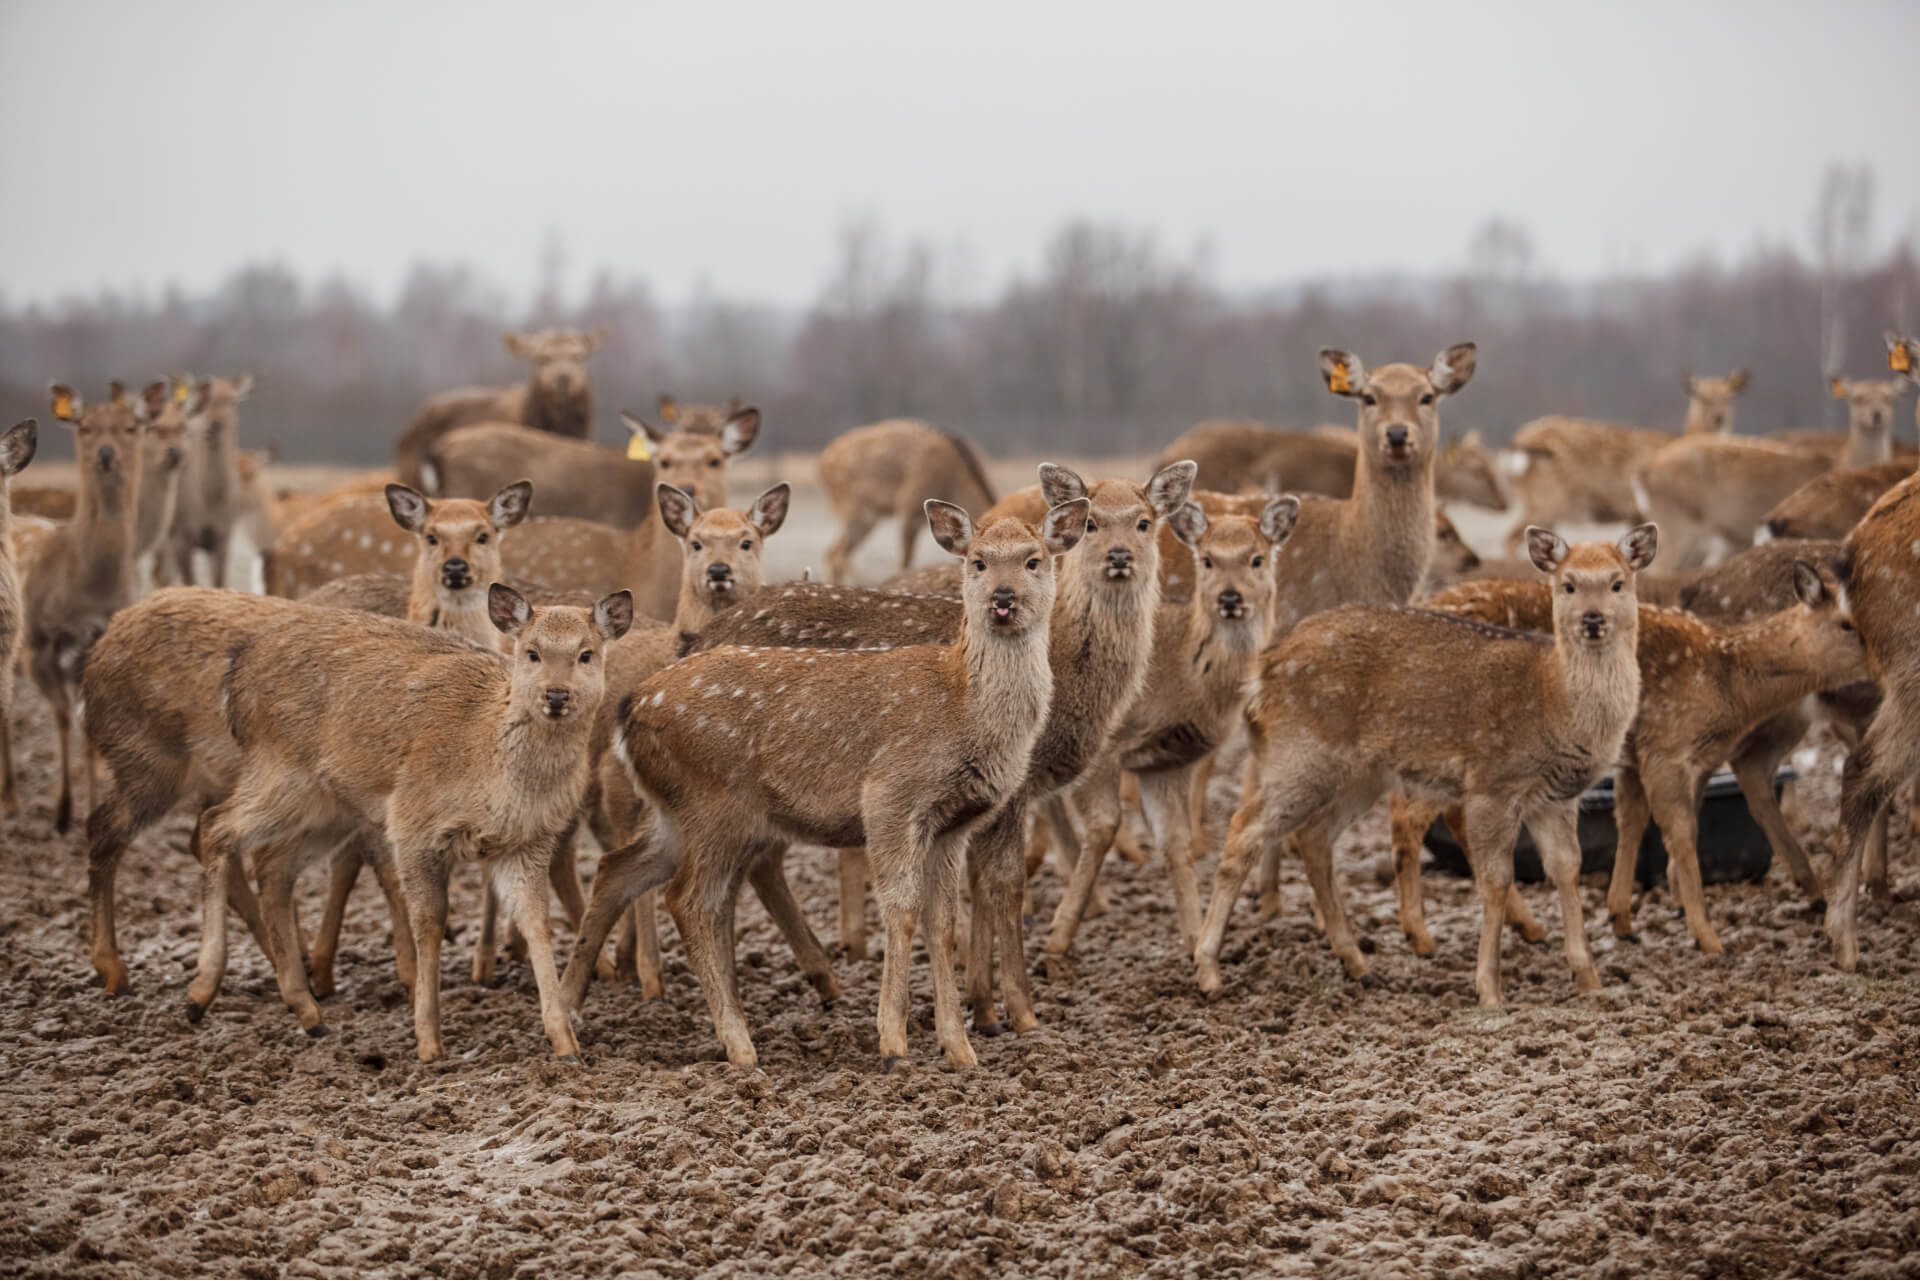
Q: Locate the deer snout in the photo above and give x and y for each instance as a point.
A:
(557, 702)
(175, 455)
(1397, 441)
(563, 383)
(1594, 624)
(456, 573)
(105, 459)
(720, 576)
(1232, 604)
(1119, 562)
(1003, 605)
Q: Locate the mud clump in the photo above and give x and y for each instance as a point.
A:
(1752, 1115)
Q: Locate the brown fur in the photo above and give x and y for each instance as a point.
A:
(210, 494)
(1241, 456)
(928, 580)
(889, 469)
(455, 753)
(1869, 436)
(906, 751)
(49, 502)
(557, 398)
(17, 446)
(1704, 487)
(1831, 504)
(1362, 696)
(84, 571)
(1566, 470)
(164, 448)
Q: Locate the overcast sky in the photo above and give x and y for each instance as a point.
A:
(155, 143)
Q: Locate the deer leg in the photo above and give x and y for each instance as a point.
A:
(910, 523)
(63, 732)
(485, 948)
(949, 862)
(423, 883)
(993, 858)
(1411, 819)
(1164, 796)
(563, 872)
(1491, 829)
(219, 548)
(1557, 834)
(1269, 882)
(277, 865)
(854, 529)
(343, 869)
(214, 856)
(701, 898)
(240, 896)
(389, 877)
(1249, 834)
(853, 901)
(1098, 798)
(1874, 862)
(768, 874)
(522, 880)
(1202, 774)
(1755, 763)
(1676, 807)
(9, 793)
(624, 874)
(642, 959)
(1316, 847)
(1630, 817)
(109, 828)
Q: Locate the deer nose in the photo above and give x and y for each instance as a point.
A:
(1231, 602)
(1002, 596)
(106, 455)
(1594, 622)
(1119, 559)
(719, 571)
(556, 701)
(174, 455)
(455, 573)
(563, 381)
(1397, 437)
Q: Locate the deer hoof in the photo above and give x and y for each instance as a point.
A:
(891, 1063)
(317, 1031)
(195, 1012)
(989, 1029)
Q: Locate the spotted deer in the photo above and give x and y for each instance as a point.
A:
(557, 398)
(1242, 456)
(1195, 687)
(83, 572)
(454, 753)
(1361, 697)
(1830, 505)
(163, 447)
(1565, 470)
(907, 752)
(1704, 691)
(890, 469)
(1869, 436)
(210, 493)
(17, 447)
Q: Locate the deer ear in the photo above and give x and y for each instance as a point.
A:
(1807, 585)
(153, 398)
(17, 446)
(1900, 353)
(740, 431)
(519, 344)
(1453, 368)
(1065, 525)
(1277, 518)
(952, 527)
(509, 506)
(594, 338)
(1838, 386)
(1189, 523)
(1737, 381)
(1169, 487)
(613, 615)
(197, 400)
(507, 609)
(1640, 545)
(408, 506)
(643, 435)
(1344, 374)
(1060, 484)
(243, 386)
(769, 511)
(669, 409)
(678, 508)
(67, 402)
(116, 392)
(1546, 549)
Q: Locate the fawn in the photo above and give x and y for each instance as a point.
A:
(1361, 696)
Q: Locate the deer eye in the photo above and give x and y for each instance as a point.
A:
(1033, 563)
(1258, 561)
(1618, 585)
(432, 541)
(532, 657)
(694, 545)
(1142, 526)
(713, 462)
(1567, 588)
(586, 656)
(480, 539)
(1089, 524)
(1426, 398)
(746, 544)
(980, 566)
(665, 463)
(1845, 626)
(1368, 398)
(1206, 562)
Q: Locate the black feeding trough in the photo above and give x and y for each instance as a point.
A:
(1732, 846)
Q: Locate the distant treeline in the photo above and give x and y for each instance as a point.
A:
(1111, 345)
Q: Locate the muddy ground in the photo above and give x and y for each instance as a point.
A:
(1753, 1115)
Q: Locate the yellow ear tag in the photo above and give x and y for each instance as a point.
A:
(639, 447)
(669, 411)
(180, 393)
(119, 395)
(1900, 359)
(1839, 389)
(1337, 381)
(63, 405)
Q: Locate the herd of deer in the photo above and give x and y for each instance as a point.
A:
(461, 681)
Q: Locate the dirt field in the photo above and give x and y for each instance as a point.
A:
(1751, 1116)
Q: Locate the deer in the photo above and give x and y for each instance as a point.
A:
(209, 488)
(889, 469)
(17, 448)
(737, 752)
(1706, 487)
(585, 481)
(1563, 469)
(1830, 505)
(1247, 456)
(83, 572)
(557, 398)
(1363, 696)
(455, 753)
(1704, 691)
(1869, 435)
(154, 713)
(1105, 615)
(164, 450)
(1196, 681)
(722, 569)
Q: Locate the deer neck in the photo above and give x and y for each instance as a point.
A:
(1764, 669)
(1099, 647)
(103, 518)
(542, 762)
(1600, 688)
(1390, 519)
(1008, 686)
(568, 415)
(696, 608)
(1866, 448)
(463, 613)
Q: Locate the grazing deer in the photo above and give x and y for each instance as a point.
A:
(1239, 456)
(722, 569)
(585, 481)
(1360, 697)
(1869, 436)
(164, 451)
(210, 493)
(905, 751)
(16, 451)
(1565, 470)
(557, 398)
(1701, 488)
(455, 753)
(1704, 690)
(83, 573)
(889, 469)
(154, 712)
(1195, 686)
